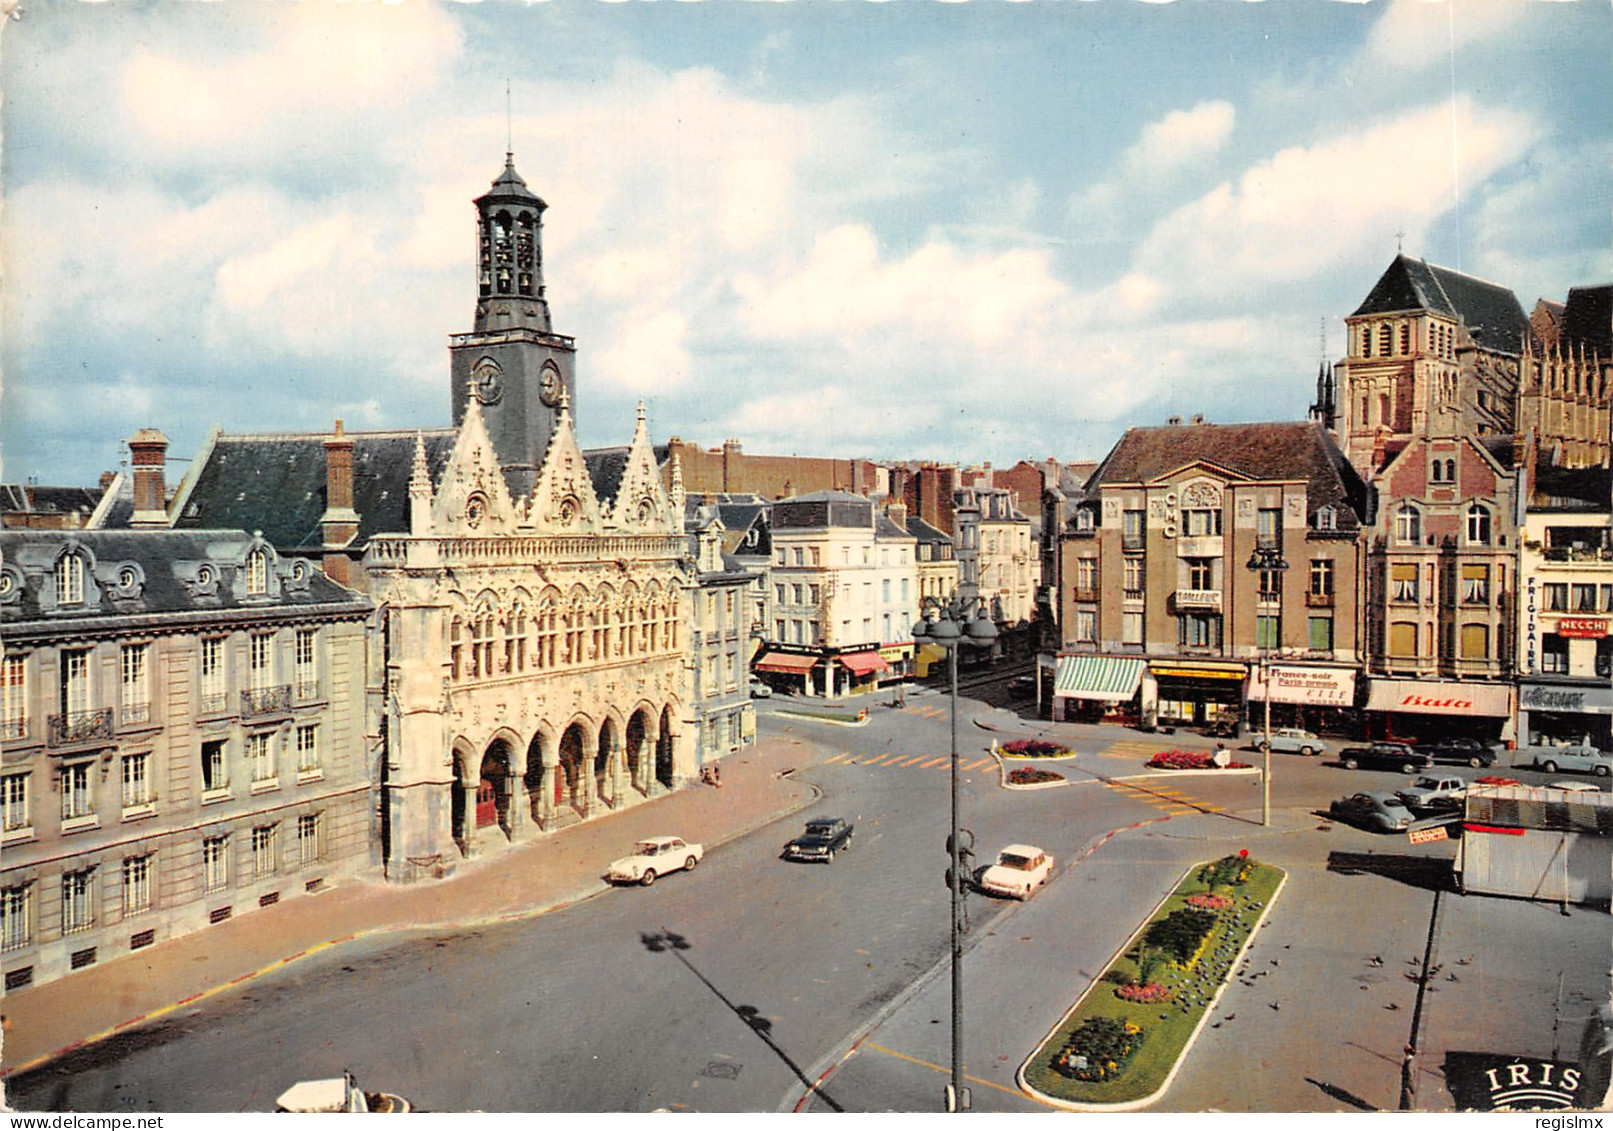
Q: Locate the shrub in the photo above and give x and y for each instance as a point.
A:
(1145, 993)
(1181, 934)
(1226, 872)
(1023, 775)
(1032, 748)
(1209, 902)
(1103, 1044)
(1189, 760)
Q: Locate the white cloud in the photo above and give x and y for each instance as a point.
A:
(1415, 33)
(1181, 141)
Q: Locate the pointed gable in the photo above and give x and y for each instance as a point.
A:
(563, 500)
(641, 504)
(471, 495)
(1490, 312)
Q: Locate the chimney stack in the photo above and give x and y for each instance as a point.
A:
(338, 526)
(148, 454)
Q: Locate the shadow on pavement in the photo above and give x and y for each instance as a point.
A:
(1342, 1096)
(752, 1017)
(1430, 873)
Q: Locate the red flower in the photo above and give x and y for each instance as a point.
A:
(1244, 852)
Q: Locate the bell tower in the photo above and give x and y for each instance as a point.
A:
(513, 362)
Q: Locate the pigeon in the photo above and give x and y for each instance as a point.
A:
(1276, 1005)
(1374, 961)
(1231, 1017)
(1451, 977)
(1391, 1007)
(1361, 987)
(1463, 961)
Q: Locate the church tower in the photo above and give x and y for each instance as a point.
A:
(513, 362)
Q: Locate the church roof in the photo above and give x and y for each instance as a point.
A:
(1262, 451)
(276, 484)
(605, 468)
(508, 185)
(1588, 320)
(1489, 311)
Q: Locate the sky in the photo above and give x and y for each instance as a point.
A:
(906, 230)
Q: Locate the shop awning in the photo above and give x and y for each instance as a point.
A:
(1433, 697)
(1108, 678)
(788, 663)
(862, 663)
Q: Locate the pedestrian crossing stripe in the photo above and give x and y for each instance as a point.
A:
(839, 756)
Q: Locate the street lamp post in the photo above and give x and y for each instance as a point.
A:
(951, 628)
(1266, 559)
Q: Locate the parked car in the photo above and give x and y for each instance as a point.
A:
(1584, 759)
(1378, 812)
(1429, 792)
(1022, 685)
(1292, 740)
(1020, 869)
(760, 690)
(1395, 756)
(1574, 786)
(1459, 751)
(655, 857)
(820, 840)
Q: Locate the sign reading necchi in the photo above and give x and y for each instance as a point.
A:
(1314, 687)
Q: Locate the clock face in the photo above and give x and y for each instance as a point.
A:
(489, 382)
(549, 387)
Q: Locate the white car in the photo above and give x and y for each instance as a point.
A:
(655, 857)
(1574, 786)
(1587, 759)
(1291, 740)
(1020, 869)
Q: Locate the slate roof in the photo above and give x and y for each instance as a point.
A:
(167, 587)
(1588, 320)
(1572, 488)
(605, 468)
(924, 532)
(276, 484)
(1261, 451)
(1489, 311)
(887, 527)
(31, 499)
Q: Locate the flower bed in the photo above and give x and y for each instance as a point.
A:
(1032, 748)
(1150, 992)
(1165, 1024)
(1189, 760)
(1024, 775)
(1099, 1048)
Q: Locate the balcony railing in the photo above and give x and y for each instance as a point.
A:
(307, 690)
(215, 702)
(1579, 554)
(13, 728)
(1086, 593)
(1318, 600)
(266, 700)
(134, 714)
(78, 727)
(1199, 599)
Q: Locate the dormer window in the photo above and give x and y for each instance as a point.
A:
(70, 580)
(1327, 518)
(257, 573)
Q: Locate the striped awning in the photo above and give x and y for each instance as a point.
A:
(1109, 678)
(786, 663)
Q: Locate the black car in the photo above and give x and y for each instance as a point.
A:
(1395, 756)
(1459, 752)
(820, 840)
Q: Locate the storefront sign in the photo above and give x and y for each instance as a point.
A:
(1426, 836)
(1198, 673)
(1497, 1082)
(1531, 631)
(1432, 697)
(894, 652)
(1315, 687)
(1574, 700)
(1584, 628)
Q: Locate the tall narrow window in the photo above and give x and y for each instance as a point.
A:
(16, 917)
(307, 663)
(1478, 525)
(265, 850)
(70, 580)
(215, 862)
(136, 781)
(215, 772)
(14, 802)
(215, 688)
(1321, 634)
(78, 901)
(1133, 590)
(135, 704)
(257, 573)
(308, 838)
(308, 748)
(260, 749)
(1268, 633)
(261, 668)
(1133, 529)
(1321, 577)
(1403, 582)
(78, 798)
(1269, 528)
(1408, 525)
(136, 884)
(75, 697)
(13, 698)
(1476, 584)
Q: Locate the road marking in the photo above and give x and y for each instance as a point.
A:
(912, 761)
(943, 1071)
(934, 762)
(979, 764)
(839, 756)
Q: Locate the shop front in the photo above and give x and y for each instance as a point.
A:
(1565, 711)
(1188, 694)
(790, 672)
(898, 661)
(859, 673)
(1315, 698)
(1094, 688)
(1421, 709)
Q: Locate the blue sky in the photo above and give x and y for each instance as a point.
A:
(914, 229)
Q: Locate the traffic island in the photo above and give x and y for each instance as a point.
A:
(1119, 1046)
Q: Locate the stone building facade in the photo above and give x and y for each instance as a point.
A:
(183, 737)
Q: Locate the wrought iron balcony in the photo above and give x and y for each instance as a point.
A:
(77, 727)
(266, 700)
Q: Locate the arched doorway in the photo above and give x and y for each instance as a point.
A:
(636, 751)
(663, 749)
(493, 787)
(568, 782)
(606, 769)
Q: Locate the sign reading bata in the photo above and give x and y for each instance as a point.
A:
(1431, 697)
(1315, 687)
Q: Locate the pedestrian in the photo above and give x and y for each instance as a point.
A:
(1221, 759)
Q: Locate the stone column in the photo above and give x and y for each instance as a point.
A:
(590, 794)
(617, 756)
(518, 827)
(551, 774)
(648, 756)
